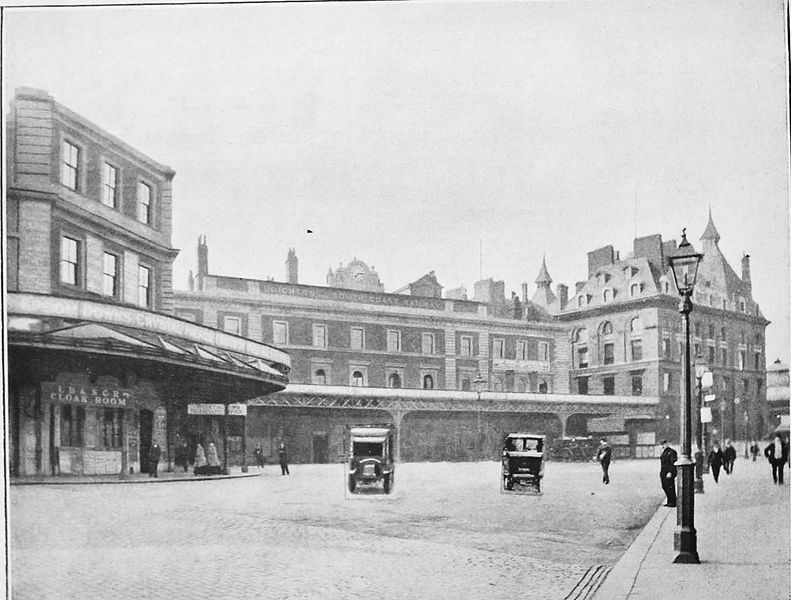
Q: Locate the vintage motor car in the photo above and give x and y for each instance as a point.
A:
(370, 458)
(523, 462)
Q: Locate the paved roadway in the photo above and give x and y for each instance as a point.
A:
(446, 531)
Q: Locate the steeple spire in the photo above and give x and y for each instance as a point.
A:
(711, 232)
(543, 275)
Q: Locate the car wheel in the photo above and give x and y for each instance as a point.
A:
(387, 484)
(352, 483)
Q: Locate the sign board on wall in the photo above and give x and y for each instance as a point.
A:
(235, 410)
(705, 415)
(87, 394)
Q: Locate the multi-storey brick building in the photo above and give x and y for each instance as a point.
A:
(626, 334)
(353, 347)
(99, 366)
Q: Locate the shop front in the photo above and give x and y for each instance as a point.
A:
(92, 387)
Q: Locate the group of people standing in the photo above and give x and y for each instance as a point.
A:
(721, 459)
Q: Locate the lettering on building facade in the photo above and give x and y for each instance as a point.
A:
(89, 395)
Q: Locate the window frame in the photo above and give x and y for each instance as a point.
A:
(116, 275)
(105, 187)
(470, 349)
(608, 379)
(320, 327)
(498, 348)
(149, 210)
(77, 266)
(227, 318)
(77, 169)
(149, 302)
(361, 345)
(432, 346)
(275, 324)
(394, 340)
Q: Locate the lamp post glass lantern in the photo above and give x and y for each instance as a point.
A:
(684, 265)
(479, 383)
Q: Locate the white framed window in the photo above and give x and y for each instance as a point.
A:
(543, 351)
(666, 382)
(742, 359)
(69, 261)
(110, 275)
(144, 286)
(319, 377)
(393, 340)
(607, 296)
(428, 343)
(109, 185)
(498, 350)
(280, 333)
(395, 378)
(143, 202)
(320, 336)
(232, 325)
(70, 165)
(465, 345)
(358, 376)
(521, 350)
(358, 338)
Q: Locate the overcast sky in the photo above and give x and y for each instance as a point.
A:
(412, 134)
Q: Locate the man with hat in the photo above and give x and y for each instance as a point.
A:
(667, 472)
(604, 455)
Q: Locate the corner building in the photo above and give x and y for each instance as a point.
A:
(99, 366)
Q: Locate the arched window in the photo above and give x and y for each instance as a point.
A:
(320, 377)
(606, 328)
(581, 336)
(542, 387)
(607, 295)
(394, 381)
(357, 378)
(581, 300)
(428, 382)
(636, 325)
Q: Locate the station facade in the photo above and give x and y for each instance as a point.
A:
(99, 366)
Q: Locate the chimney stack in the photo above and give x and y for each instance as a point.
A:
(292, 267)
(563, 293)
(203, 256)
(746, 270)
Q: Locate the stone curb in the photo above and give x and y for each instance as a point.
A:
(622, 576)
(145, 480)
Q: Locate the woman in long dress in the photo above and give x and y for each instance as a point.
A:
(211, 455)
(200, 460)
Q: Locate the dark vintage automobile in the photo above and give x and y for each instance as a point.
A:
(523, 462)
(370, 460)
(573, 449)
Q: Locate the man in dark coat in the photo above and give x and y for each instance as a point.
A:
(604, 455)
(667, 472)
(283, 456)
(777, 453)
(730, 457)
(153, 460)
(716, 460)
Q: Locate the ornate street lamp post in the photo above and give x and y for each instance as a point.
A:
(684, 265)
(479, 382)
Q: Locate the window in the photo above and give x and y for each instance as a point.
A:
(394, 380)
(358, 338)
(667, 381)
(72, 422)
(465, 384)
(606, 328)
(698, 329)
(111, 427)
(695, 351)
(144, 286)
(393, 341)
(637, 385)
(543, 351)
(521, 350)
(742, 359)
(712, 355)
(666, 348)
(70, 165)
(636, 325)
(722, 333)
(759, 386)
(609, 385)
(357, 379)
(637, 350)
(711, 332)
(428, 343)
(144, 202)
(582, 385)
(543, 387)
(724, 354)
(232, 325)
(110, 275)
(69, 261)
(428, 382)
(109, 185)
(607, 295)
(581, 300)
(582, 358)
(466, 345)
(636, 289)
(757, 361)
(746, 386)
(280, 333)
(609, 353)
(320, 377)
(319, 336)
(499, 349)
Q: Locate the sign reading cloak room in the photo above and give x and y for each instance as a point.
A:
(217, 409)
(86, 394)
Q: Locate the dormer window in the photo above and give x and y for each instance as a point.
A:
(608, 294)
(581, 300)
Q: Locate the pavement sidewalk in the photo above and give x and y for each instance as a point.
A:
(164, 477)
(743, 538)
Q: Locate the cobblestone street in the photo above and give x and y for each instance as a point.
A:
(445, 532)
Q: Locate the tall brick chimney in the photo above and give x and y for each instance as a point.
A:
(563, 294)
(746, 270)
(292, 267)
(203, 256)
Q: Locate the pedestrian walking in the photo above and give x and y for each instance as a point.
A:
(283, 456)
(181, 453)
(667, 472)
(730, 457)
(604, 455)
(259, 456)
(777, 453)
(754, 450)
(716, 460)
(153, 460)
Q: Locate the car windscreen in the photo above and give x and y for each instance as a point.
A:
(366, 449)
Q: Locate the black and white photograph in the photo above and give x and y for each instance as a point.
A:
(409, 299)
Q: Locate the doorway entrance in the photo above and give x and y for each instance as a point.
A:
(146, 426)
(320, 447)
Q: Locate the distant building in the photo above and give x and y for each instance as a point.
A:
(777, 393)
(99, 366)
